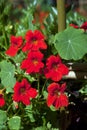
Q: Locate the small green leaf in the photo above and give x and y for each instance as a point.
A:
(31, 117)
(40, 128)
(29, 113)
(71, 43)
(7, 75)
(83, 90)
(52, 108)
(3, 117)
(14, 123)
(29, 77)
(49, 125)
(45, 94)
(30, 25)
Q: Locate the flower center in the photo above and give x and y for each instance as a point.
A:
(15, 43)
(35, 61)
(55, 67)
(57, 93)
(34, 40)
(22, 90)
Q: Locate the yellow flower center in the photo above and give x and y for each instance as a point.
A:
(35, 61)
(34, 41)
(56, 92)
(55, 67)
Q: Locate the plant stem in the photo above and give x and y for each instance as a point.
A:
(9, 107)
(38, 84)
(5, 37)
(61, 15)
(44, 85)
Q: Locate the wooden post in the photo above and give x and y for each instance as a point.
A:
(61, 15)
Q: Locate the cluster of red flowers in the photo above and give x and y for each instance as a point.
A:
(53, 69)
(83, 26)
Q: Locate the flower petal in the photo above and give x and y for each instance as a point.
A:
(50, 100)
(32, 93)
(12, 51)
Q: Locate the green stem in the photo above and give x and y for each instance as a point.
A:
(61, 15)
(2, 46)
(5, 38)
(2, 56)
(38, 84)
(44, 85)
(9, 107)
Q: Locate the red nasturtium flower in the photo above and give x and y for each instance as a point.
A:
(2, 100)
(23, 92)
(55, 69)
(74, 25)
(84, 26)
(16, 43)
(56, 95)
(34, 41)
(33, 63)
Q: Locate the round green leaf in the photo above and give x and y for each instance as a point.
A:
(14, 123)
(3, 117)
(71, 43)
(7, 75)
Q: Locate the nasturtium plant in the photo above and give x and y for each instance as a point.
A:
(37, 92)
